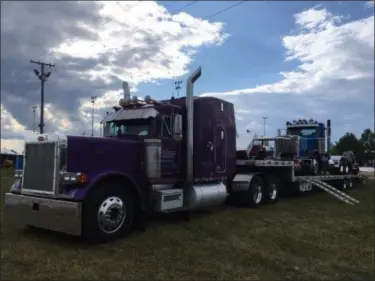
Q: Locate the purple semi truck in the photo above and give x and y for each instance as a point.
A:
(176, 155)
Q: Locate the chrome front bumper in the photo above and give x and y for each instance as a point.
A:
(51, 214)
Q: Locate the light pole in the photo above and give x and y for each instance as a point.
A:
(264, 125)
(43, 76)
(93, 98)
(177, 86)
(34, 110)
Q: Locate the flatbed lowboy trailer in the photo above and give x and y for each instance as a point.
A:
(176, 155)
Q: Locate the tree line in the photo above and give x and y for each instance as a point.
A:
(363, 147)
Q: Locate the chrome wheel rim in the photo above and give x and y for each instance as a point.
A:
(111, 214)
(273, 192)
(258, 194)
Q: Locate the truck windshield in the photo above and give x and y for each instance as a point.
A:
(302, 132)
(115, 129)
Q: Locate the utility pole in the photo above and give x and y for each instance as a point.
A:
(93, 98)
(177, 86)
(43, 78)
(34, 110)
(264, 125)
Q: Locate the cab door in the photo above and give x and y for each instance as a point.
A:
(170, 152)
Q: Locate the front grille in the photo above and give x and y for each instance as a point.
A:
(39, 169)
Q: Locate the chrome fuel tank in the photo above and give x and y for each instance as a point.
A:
(205, 195)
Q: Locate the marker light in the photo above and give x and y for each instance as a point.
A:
(70, 178)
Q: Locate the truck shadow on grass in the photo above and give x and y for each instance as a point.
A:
(151, 222)
(157, 221)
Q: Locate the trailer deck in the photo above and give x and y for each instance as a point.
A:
(306, 182)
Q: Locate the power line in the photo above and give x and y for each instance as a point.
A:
(225, 9)
(43, 77)
(183, 7)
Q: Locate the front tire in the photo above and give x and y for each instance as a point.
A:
(108, 213)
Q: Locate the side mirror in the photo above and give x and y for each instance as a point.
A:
(177, 127)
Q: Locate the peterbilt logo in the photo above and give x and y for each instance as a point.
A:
(42, 138)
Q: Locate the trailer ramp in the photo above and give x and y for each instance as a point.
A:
(332, 190)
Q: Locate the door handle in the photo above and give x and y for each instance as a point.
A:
(210, 146)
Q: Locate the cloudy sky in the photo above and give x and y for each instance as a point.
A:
(283, 60)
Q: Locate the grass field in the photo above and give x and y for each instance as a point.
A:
(311, 237)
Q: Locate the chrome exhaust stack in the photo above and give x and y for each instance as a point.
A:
(190, 125)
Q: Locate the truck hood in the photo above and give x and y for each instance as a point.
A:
(92, 155)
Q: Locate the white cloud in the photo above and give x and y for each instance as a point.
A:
(131, 27)
(335, 64)
(12, 132)
(327, 54)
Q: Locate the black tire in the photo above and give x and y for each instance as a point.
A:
(255, 193)
(271, 189)
(91, 229)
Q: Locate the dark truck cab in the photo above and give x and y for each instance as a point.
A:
(155, 156)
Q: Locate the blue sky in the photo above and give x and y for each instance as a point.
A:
(243, 53)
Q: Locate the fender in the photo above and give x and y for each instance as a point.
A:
(241, 181)
(81, 194)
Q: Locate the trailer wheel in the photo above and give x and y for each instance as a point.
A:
(255, 193)
(271, 194)
(108, 213)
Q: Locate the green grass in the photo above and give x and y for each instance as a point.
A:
(312, 237)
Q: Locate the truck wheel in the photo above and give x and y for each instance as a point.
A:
(254, 195)
(108, 213)
(271, 194)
